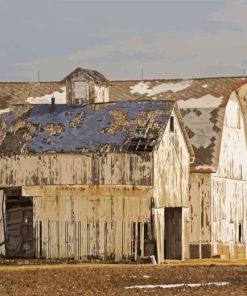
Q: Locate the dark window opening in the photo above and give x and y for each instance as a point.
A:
(19, 224)
(172, 124)
(141, 144)
(147, 232)
(40, 239)
(135, 239)
(143, 140)
(240, 233)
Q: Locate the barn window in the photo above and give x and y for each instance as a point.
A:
(80, 89)
(141, 144)
(172, 124)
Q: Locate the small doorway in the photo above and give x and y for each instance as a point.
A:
(19, 224)
(173, 233)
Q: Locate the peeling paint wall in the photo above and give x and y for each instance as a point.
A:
(85, 222)
(200, 214)
(90, 220)
(229, 183)
(171, 173)
(218, 201)
(56, 169)
(171, 183)
(101, 94)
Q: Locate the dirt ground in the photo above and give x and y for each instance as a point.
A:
(113, 279)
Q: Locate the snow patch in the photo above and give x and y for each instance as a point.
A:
(144, 87)
(207, 101)
(219, 284)
(146, 276)
(203, 167)
(60, 98)
(205, 86)
(4, 110)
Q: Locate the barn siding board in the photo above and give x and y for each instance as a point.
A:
(171, 173)
(89, 221)
(200, 212)
(55, 169)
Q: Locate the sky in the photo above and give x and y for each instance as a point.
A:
(167, 39)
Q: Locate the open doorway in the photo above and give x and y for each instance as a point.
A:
(173, 233)
(19, 224)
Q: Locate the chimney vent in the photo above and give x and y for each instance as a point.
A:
(52, 106)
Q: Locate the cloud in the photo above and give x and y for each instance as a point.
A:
(160, 53)
(169, 55)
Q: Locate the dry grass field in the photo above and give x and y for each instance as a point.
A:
(97, 279)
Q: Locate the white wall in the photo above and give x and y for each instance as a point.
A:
(229, 183)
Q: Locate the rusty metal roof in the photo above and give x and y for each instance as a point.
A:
(202, 104)
(121, 126)
(18, 92)
(175, 89)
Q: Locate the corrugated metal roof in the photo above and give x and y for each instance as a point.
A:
(121, 126)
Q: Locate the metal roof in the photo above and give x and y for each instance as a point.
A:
(121, 126)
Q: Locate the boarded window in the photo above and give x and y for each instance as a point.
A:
(80, 89)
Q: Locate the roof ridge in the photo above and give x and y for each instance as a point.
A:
(170, 79)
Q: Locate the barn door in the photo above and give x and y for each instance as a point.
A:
(19, 225)
(173, 233)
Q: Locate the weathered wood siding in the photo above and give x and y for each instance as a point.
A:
(85, 222)
(200, 214)
(60, 169)
(171, 169)
(171, 182)
(229, 183)
(101, 94)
